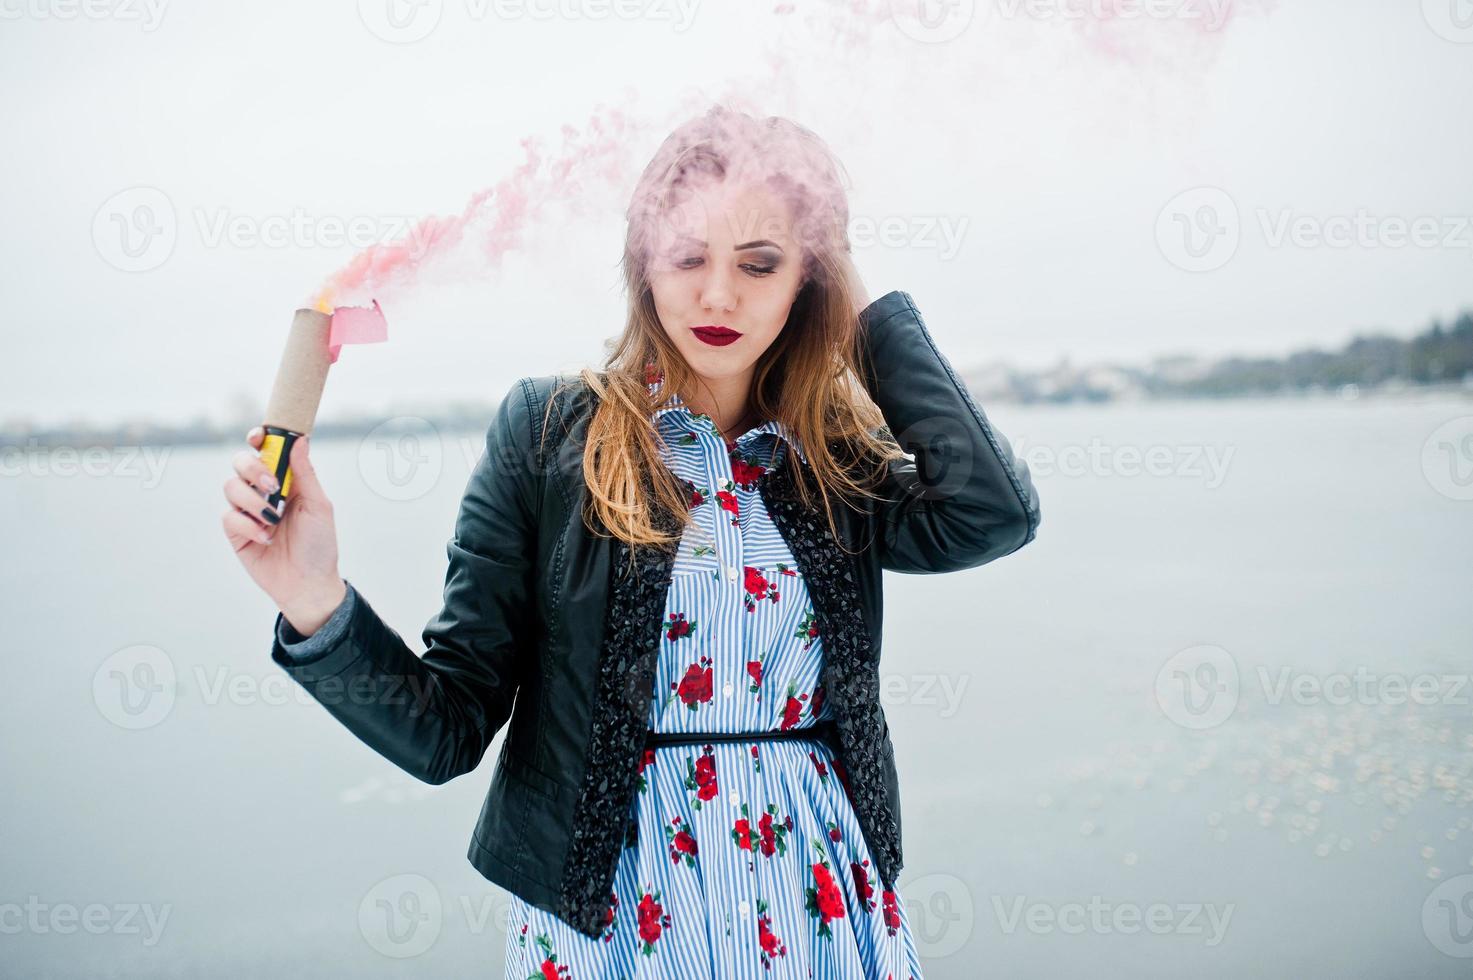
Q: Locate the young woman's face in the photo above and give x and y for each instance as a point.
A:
(724, 260)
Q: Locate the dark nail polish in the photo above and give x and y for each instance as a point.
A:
(270, 515)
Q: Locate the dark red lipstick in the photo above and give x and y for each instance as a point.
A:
(716, 336)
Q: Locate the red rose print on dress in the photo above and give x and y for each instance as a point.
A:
(757, 588)
(745, 470)
(549, 969)
(792, 707)
(807, 629)
(756, 762)
(864, 885)
(823, 770)
(678, 628)
(741, 833)
(611, 918)
(815, 704)
(772, 946)
(825, 900)
(653, 920)
(701, 777)
(891, 911)
(695, 688)
(754, 672)
(644, 762)
(682, 844)
(768, 837)
(835, 834)
(728, 502)
(697, 496)
(772, 833)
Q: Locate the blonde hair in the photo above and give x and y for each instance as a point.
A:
(808, 378)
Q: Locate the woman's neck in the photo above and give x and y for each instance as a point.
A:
(732, 395)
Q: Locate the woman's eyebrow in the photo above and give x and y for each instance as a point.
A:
(736, 248)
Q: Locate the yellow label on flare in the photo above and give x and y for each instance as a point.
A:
(272, 447)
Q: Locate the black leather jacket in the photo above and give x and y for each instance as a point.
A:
(542, 626)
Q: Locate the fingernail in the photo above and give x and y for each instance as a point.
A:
(270, 515)
(271, 484)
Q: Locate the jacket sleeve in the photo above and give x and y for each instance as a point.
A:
(965, 499)
(304, 649)
(435, 715)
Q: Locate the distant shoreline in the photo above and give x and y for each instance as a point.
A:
(465, 420)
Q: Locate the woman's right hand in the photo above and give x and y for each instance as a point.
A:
(294, 561)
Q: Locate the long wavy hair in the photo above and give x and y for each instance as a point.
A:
(808, 378)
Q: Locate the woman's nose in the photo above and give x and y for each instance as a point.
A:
(718, 294)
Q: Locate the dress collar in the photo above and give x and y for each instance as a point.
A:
(699, 420)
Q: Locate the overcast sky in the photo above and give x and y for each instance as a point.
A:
(1051, 185)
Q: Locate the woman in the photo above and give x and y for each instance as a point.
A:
(665, 576)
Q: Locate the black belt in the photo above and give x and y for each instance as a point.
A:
(822, 731)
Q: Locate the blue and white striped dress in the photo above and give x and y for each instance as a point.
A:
(747, 860)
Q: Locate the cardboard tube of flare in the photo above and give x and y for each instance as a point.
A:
(294, 396)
